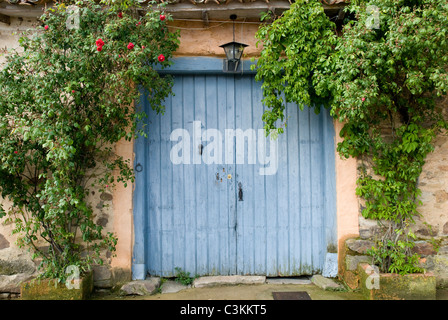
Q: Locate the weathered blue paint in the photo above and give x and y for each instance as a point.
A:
(189, 215)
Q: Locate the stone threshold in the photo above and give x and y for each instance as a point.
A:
(153, 285)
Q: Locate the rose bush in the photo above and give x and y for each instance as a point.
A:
(65, 100)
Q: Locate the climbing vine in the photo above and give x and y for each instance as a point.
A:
(380, 73)
(65, 99)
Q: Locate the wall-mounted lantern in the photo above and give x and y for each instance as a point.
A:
(234, 52)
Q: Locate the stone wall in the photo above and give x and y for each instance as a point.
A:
(431, 228)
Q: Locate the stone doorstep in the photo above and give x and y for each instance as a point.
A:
(299, 281)
(232, 280)
(326, 283)
(141, 287)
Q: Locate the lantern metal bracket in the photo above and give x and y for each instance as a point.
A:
(234, 52)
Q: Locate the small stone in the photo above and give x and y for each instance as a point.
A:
(172, 286)
(367, 228)
(102, 276)
(5, 295)
(4, 243)
(14, 261)
(11, 283)
(331, 265)
(443, 249)
(445, 228)
(359, 246)
(141, 287)
(423, 248)
(102, 221)
(352, 262)
(326, 283)
(100, 205)
(106, 196)
(441, 196)
(423, 232)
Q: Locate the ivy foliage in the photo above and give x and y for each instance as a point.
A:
(380, 74)
(66, 97)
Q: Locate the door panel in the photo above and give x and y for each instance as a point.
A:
(210, 208)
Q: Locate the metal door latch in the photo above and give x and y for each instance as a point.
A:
(240, 191)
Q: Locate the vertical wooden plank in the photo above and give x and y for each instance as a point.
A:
(329, 181)
(239, 179)
(271, 224)
(283, 250)
(189, 176)
(201, 180)
(316, 171)
(259, 222)
(230, 112)
(293, 188)
(139, 259)
(245, 175)
(166, 191)
(211, 140)
(222, 206)
(221, 182)
(154, 199)
(178, 187)
(305, 192)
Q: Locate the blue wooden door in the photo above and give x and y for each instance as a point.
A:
(218, 197)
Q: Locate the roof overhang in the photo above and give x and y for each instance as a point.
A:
(182, 9)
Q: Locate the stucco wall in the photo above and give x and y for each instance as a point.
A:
(198, 39)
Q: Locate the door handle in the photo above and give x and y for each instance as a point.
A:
(240, 192)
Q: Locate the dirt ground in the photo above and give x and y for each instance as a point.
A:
(241, 292)
(248, 292)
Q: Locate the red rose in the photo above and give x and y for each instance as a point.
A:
(120, 14)
(130, 46)
(16, 152)
(99, 48)
(73, 91)
(363, 99)
(46, 27)
(161, 58)
(143, 47)
(99, 42)
(162, 17)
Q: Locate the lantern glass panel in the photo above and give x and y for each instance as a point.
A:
(233, 50)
